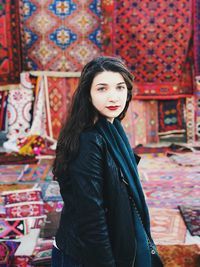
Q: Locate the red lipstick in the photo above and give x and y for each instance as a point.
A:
(113, 107)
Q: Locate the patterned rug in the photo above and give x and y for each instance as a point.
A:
(141, 122)
(19, 108)
(167, 226)
(171, 196)
(161, 179)
(10, 174)
(196, 29)
(144, 39)
(60, 94)
(191, 216)
(7, 249)
(197, 109)
(10, 50)
(13, 228)
(179, 255)
(190, 119)
(154, 162)
(13, 187)
(50, 191)
(15, 158)
(60, 35)
(191, 159)
(36, 172)
(172, 178)
(171, 116)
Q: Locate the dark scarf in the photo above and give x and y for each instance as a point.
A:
(119, 147)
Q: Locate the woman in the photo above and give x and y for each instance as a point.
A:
(105, 220)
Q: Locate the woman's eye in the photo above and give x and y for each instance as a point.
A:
(120, 87)
(101, 89)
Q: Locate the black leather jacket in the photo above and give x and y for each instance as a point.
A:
(96, 226)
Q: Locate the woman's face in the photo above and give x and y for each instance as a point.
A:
(109, 94)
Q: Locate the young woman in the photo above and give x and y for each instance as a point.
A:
(105, 219)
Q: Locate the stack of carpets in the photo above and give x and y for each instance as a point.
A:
(28, 195)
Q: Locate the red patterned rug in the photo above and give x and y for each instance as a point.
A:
(60, 94)
(10, 50)
(171, 116)
(171, 196)
(196, 28)
(60, 35)
(167, 183)
(179, 255)
(153, 37)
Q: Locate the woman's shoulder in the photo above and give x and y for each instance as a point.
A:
(91, 136)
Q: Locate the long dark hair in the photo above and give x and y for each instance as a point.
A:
(82, 113)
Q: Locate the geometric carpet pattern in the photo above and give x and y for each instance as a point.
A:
(59, 35)
(60, 91)
(161, 179)
(167, 226)
(10, 49)
(154, 39)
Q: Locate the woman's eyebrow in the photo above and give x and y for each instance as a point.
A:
(107, 84)
(121, 83)
(101, 84)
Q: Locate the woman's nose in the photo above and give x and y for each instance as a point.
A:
(113, 96)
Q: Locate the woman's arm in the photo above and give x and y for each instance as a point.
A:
(86, 173)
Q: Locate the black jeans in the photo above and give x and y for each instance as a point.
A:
(59, 259)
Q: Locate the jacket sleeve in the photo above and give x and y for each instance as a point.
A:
(86, 172)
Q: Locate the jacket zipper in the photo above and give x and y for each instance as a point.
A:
(149, 244)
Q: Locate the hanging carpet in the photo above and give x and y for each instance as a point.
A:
(10, 49)
(59, 35)
(154, 39)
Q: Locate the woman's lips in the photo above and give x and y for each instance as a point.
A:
(113, 107)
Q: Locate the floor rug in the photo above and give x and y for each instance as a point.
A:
(179, 255)
(191, 159)
(10, 49)
(172, 177)
(156, 161)
(191, 216)
(171, 196)
(167, 226)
